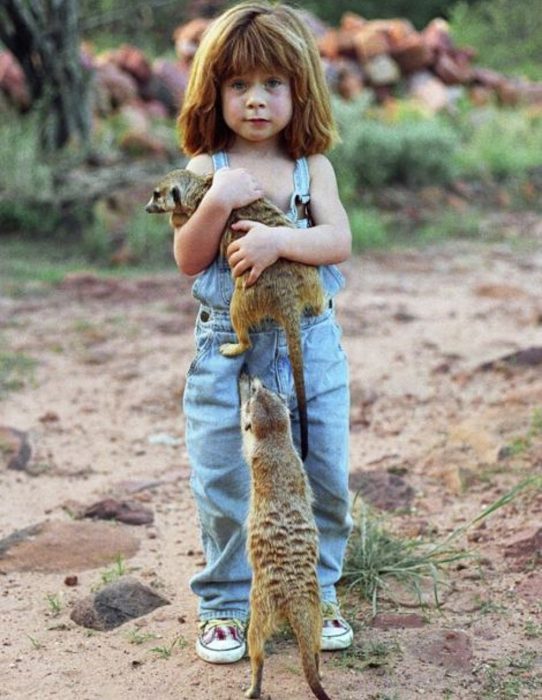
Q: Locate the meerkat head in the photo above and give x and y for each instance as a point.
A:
(263, 412)
(180, 191)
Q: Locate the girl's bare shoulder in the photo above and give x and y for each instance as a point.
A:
(202, 164)
(321, 170)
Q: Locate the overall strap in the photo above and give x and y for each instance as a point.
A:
(301, 194)
(220, 160)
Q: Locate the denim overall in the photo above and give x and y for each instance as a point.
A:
(220, 478)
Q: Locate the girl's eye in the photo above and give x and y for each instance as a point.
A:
(274, 82)
(237, 85)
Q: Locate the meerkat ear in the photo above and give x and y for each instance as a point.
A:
(176, 194)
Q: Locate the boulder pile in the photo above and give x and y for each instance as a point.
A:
(383, 57)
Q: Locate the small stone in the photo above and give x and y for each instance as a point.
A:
(525, 544)
(115, 604)
(123, 511)
(15, 449)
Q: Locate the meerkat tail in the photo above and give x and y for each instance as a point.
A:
(292, 331)
(310, 670)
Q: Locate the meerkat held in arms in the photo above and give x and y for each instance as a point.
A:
(282, 538)
(283, 293)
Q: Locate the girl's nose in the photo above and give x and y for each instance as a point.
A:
(255, 97)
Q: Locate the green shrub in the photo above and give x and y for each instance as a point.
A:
(149, 238)
(411, 152)
(499, 143)
(368, 229)
(506, 34)
(451, 224)
(23, 173)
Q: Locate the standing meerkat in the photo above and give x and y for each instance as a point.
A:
(282, 538)
(284, 291)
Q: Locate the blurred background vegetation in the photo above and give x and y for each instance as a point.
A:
(405, 175)
(507, 34)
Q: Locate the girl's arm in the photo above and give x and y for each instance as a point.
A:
(195, 244)
(328, 241)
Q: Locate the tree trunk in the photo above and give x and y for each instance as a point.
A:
(44, 37)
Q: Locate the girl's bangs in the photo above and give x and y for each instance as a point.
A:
(248, 52)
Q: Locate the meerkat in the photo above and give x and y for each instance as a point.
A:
(282, 538)
(283, 293)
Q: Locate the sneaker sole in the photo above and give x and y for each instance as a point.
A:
(341, 641)
(212, 656)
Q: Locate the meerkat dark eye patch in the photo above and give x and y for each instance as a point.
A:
(176, 194)
(247, 426)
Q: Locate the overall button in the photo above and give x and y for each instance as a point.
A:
(204, 316)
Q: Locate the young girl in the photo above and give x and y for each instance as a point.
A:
(257, 114)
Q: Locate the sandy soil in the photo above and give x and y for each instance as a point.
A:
(435, 438)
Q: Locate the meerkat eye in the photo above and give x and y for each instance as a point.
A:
(156, 194)
(176, 194)
(247, 426)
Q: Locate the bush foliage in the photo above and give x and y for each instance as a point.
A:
(506, 35)
(410, 152)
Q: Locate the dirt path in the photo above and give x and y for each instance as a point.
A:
(439, 430)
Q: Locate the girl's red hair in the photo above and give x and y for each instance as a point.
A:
(257, 36)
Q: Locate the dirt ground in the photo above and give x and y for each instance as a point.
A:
(445, 418)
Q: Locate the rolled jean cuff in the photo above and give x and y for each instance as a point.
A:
(328, 594)
(233, 614)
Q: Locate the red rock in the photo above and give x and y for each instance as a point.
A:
(187, 38)
(13, 81)
(527, 543)
(123, 511)
(452, 70)
(174, 76)
(349, 81)
(437, 35)
(412, 54)
(487, 77)
(370, 41)
(113, 87)
(398, 31)
(138, 143)
(133, 61)
(352, 22)
(329, 45)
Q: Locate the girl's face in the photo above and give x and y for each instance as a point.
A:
(257, 106)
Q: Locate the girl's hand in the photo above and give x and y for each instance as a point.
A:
(255, 251)
(234, 188)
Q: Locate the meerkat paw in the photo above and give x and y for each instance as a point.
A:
(233, 349)
(253, 693)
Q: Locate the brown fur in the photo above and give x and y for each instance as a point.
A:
(282, 538)
(283, 292)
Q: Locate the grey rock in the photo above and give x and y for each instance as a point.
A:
(115, 604)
